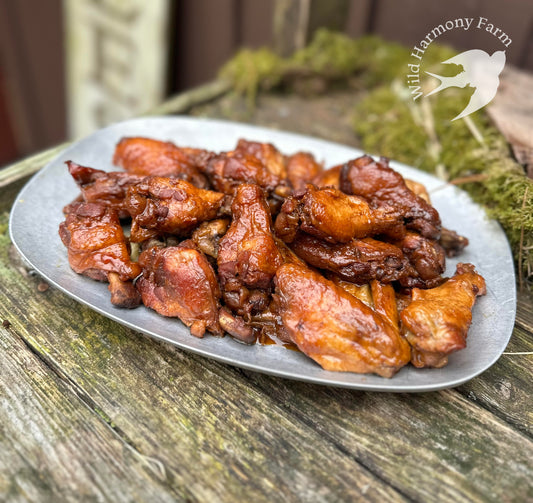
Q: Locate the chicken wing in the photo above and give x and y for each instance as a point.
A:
(247, 253)
(269, 155)
(180, 282)
(427, 258)
(452, 242)
(331, 215)
(108, 189)
(302, 168)
(328, 178)
(436, 322)
(228, 170)
(96, 243)
(358, 261)
(334, 328)
(144, 156)
(161, 205)
(381, 185)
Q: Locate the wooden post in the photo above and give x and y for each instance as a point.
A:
(295, 21)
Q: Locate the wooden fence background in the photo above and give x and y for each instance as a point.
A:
(205, 33)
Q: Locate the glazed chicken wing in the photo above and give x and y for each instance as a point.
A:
(96, 243)
(331, 215)
(269, 155)
(427, 258)
(328, 178)
(358, 261)
(334, 328)
(144, 156)
(248, 253)
(179, 282)
(302, 168)
(108, 189)
(227, 171)
(436, 321)
(381, 185)
(161, 205)
(452, 242)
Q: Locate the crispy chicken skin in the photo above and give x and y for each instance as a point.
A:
(358, 261)
(247, 253)
(228, 170)
(144, 156)
(269, 155)
(331, 215)
(105, 188)
(96, 243)
(180, 282)
(334, 328)
(160, 205)
(302, 168)
(436, 321)
(381, 185)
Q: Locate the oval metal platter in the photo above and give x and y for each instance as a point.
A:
(37, 213)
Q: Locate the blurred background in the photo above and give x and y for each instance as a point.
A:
(68, 67)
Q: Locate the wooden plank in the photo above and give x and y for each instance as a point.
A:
(207, 428)
(30, 48)
(206, 37)
(505, 389)
(54, 444)
(358, 19)
(408, 22)
(434, 446)
(255, 28)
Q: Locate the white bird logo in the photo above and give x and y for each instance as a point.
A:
(480, 71)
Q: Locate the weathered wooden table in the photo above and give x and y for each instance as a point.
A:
(92, 411)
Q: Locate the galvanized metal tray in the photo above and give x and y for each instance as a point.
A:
(36, 216)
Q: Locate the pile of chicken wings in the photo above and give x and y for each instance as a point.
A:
(345, 264)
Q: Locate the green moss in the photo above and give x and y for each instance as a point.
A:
(251, 70)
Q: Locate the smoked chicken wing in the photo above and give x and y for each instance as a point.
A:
(302, 168)
(180, 282)
(228, 170)
(105, 188)
(426, 257)
(328, 178)
(334, 328)
(248, 253)
(331, 215)
(382, 186)
(358, 261)
(96, 244)
(144, 156)
(269, 155)
(161, 205)
(436, 321)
